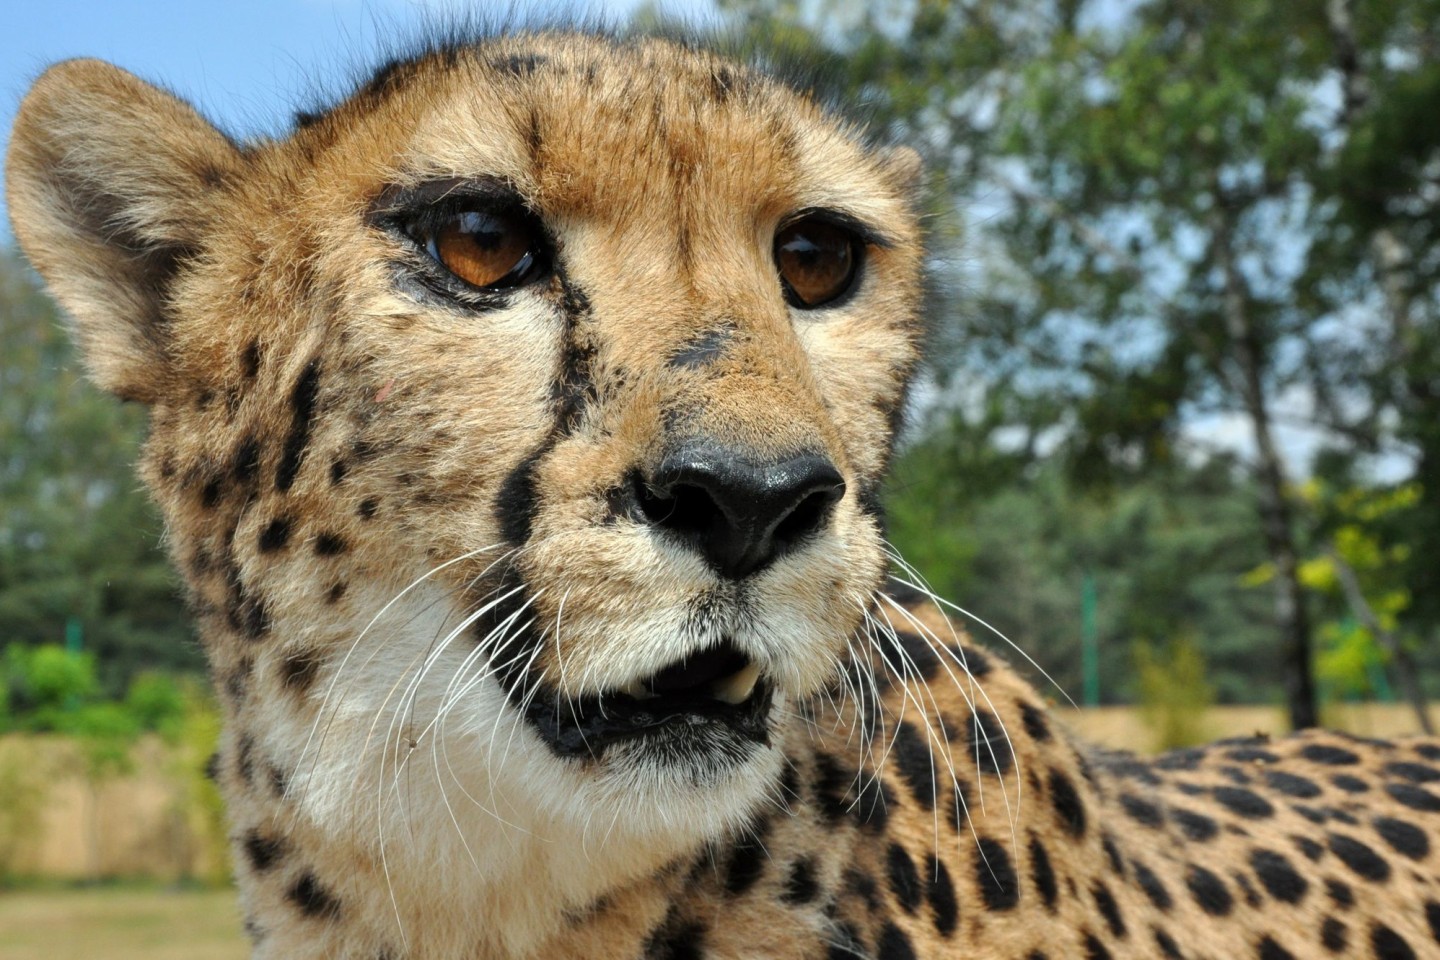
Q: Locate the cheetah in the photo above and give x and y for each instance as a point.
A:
(518, 423)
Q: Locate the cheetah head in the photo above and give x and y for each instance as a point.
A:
(519, 420)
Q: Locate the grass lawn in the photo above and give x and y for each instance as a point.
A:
(120, 924)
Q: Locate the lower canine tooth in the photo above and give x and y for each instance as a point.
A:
(637, 690)
(737, 687)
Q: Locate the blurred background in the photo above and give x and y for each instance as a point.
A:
(1178, 438)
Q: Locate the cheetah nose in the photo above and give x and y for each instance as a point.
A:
(739, 514)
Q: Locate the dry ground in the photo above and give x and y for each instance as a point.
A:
(120, 924)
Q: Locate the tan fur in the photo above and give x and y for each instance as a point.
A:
(345, 463)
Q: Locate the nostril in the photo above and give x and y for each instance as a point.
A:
(809, 514)
(681, 507)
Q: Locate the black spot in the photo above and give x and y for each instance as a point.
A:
(1389, 945)
(1167, 945)
(245, 462)
(1414, 772)
(1150, 883)
(210, 493)
(302, 411)
(1068, 805)
(1349, 784)
(336, 592)
(1277, 876)
(518, 65)
(1187, 759)
(1416, 798)
(313, 899)
(212, 767)
(328, 545)
(263, 852)
(297, 671)
(1042, 873)
(988, 744)
(1333, 935)
(1247, 803)
(1291, 785)
(275, 535)
(338, 469)
(893, 944)
(1252, 896)
(1432, 917)
(1094, 949)
(1328, 755)
(1429, 751)
(1112, 853)
(801, 885)
(367, 507)
(1209, 891)
(1142, 811)
(977, 664)
(1404, 837)
(1105, 903)
(912, 757)
(996, 876)
(250, 360)
(706, 348)
(676, 940)
(1312, 850)
(1034, 720)
(1358, 857)
(1270, 950)
(904, 881)
(832, 784)
(1195, 826)
(941, 894)
(747, 859)
(1340, 892)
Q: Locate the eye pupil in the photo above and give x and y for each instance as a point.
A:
(487, 249)
(816, 260)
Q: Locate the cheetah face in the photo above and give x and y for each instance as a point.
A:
(534, 398)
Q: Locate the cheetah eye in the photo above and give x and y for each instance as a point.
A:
(817, 261)
(488, 249)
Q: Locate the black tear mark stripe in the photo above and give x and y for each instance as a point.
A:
(517, 501)
(302, 412)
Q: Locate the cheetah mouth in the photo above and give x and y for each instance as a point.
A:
(715, 699)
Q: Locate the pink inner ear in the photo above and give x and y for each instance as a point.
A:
(385, 391)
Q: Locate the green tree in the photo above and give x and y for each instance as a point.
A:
(79, 541)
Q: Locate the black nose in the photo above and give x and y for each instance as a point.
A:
(738, 513)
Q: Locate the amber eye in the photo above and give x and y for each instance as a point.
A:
(489, 249)
(816, 260)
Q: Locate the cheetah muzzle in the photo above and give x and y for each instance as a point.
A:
(519, 424)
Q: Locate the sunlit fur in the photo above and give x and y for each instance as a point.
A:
(402, 522)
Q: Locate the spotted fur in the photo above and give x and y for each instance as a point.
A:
(413, 530)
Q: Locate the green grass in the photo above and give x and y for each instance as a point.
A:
(120, 924)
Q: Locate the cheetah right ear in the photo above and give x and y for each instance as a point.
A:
(109, 182)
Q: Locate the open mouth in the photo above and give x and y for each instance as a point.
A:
(713, 696)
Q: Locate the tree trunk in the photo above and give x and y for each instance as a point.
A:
(1291, 616)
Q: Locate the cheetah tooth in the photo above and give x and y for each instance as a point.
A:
(736, 688)
(637, 690)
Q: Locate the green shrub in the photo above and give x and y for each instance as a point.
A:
(1174, 693)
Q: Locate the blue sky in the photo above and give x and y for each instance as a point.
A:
(248, 65)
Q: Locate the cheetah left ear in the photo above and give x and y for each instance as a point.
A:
(109, 182)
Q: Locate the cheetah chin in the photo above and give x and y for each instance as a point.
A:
(519, 423)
